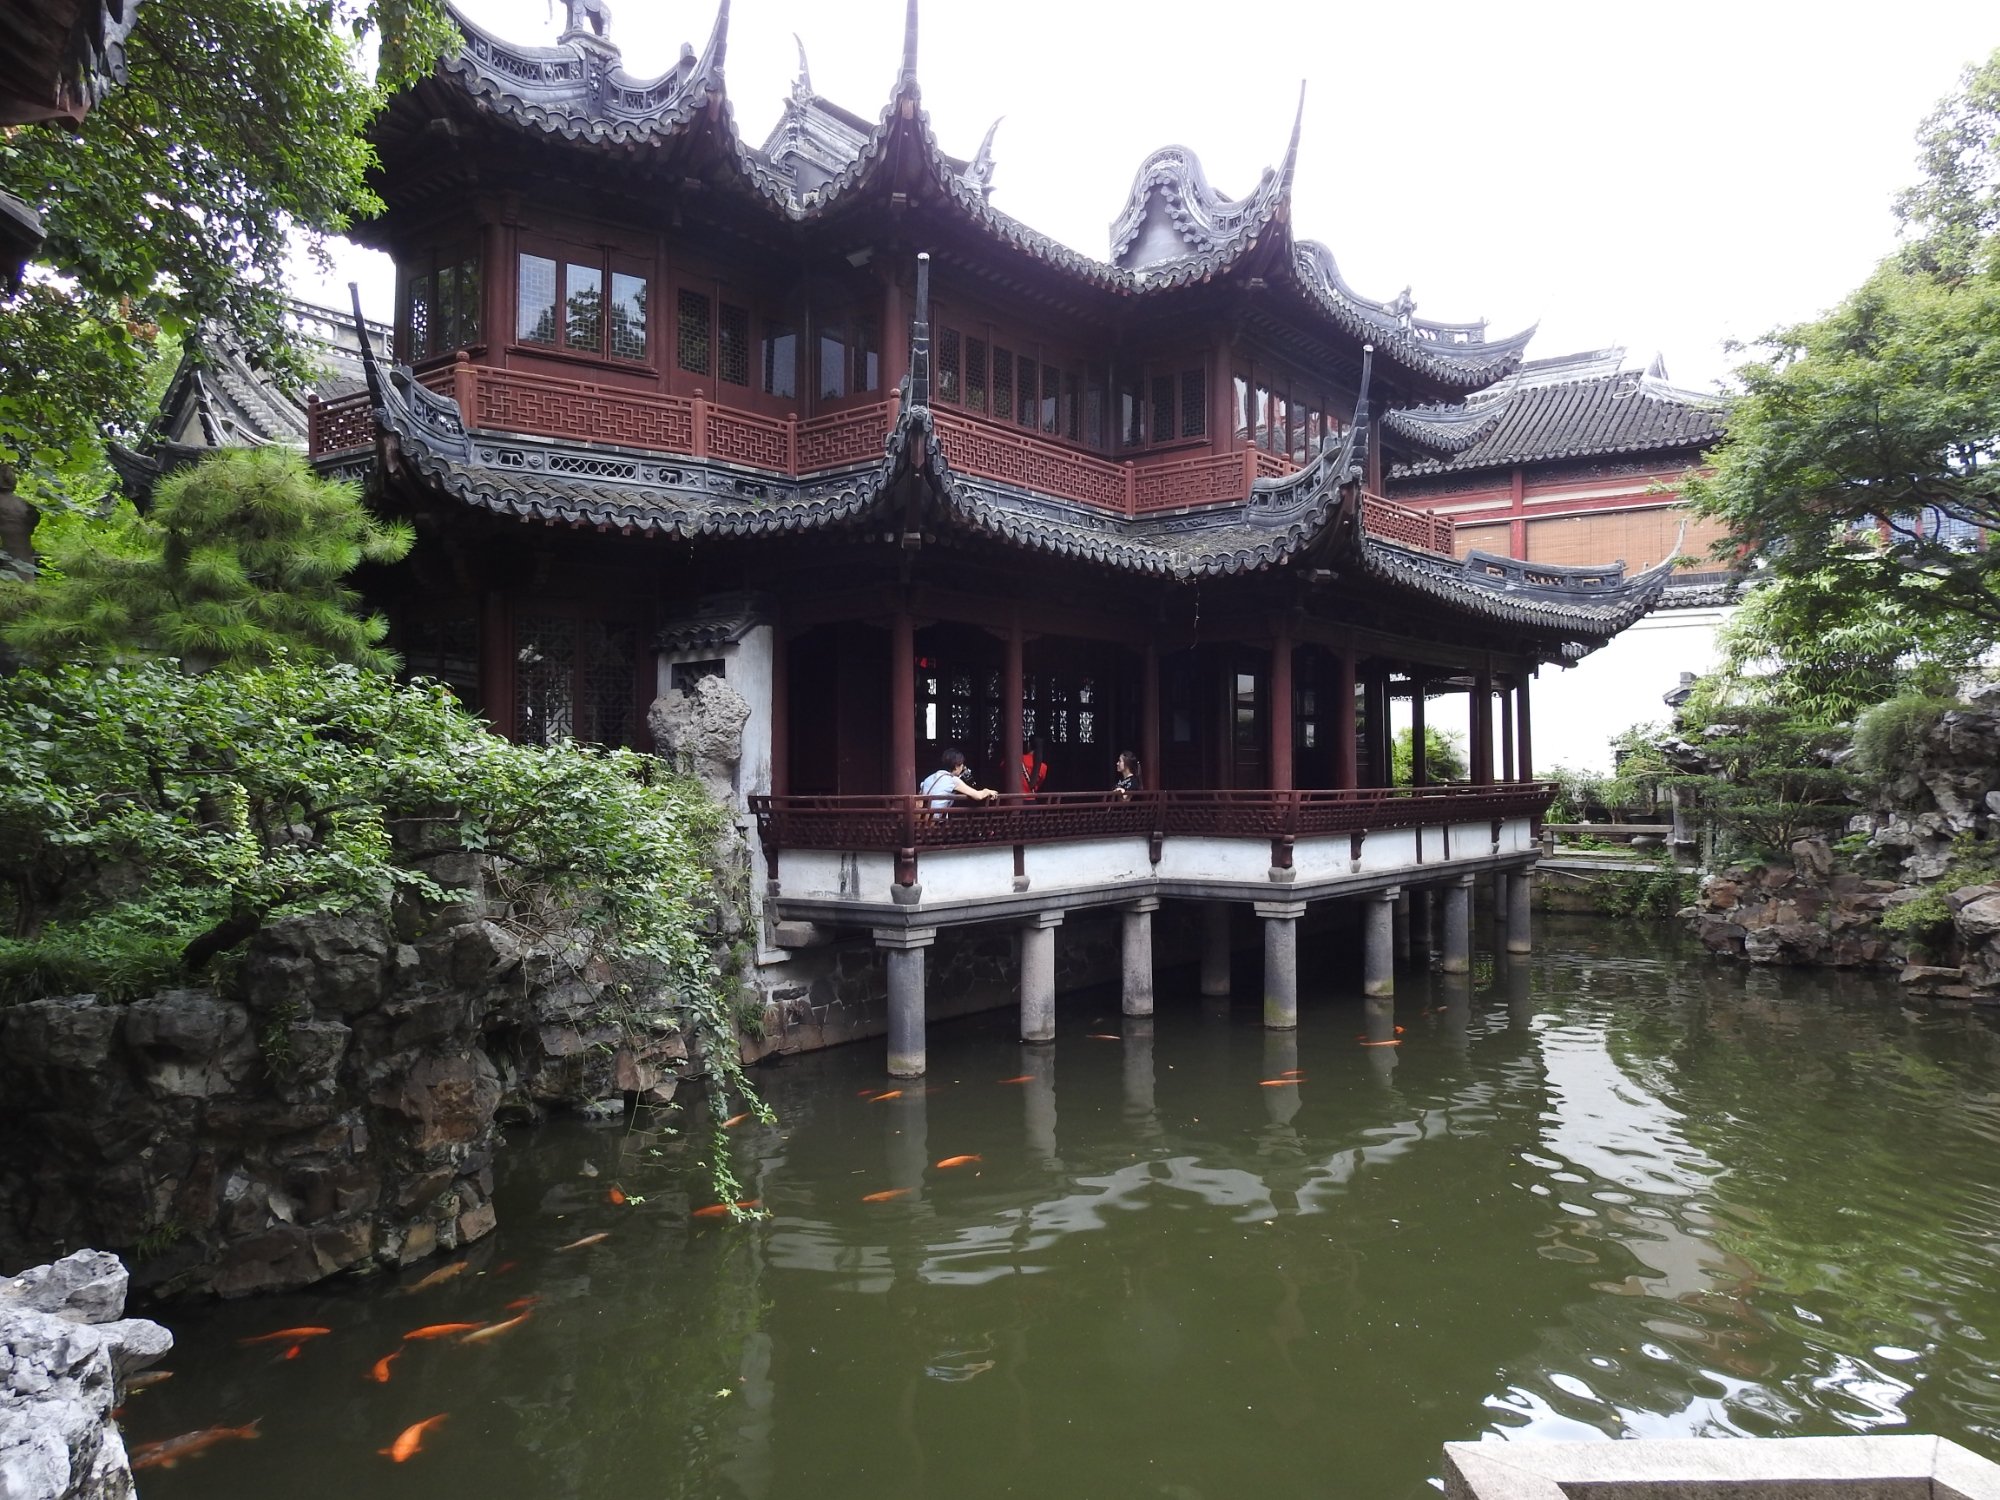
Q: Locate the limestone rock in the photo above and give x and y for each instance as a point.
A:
(701, 733)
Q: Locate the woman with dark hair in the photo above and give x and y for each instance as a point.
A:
(948, 782)
(1128, 776)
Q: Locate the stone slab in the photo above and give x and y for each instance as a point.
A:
(1840, 1468)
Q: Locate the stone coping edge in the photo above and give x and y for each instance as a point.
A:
(1823, 1468)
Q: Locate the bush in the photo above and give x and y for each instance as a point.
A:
(151, 821)
(1924, 922)
(1890, 736)
(1443, 759)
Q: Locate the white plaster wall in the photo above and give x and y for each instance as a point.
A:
(1077, 865)
(1389, 849)
(1216, 859)
(817, 872)
(962, 874)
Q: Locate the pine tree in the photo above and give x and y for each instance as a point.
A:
(243, 558)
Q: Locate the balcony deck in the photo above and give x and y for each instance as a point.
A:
(885, 860)
(547, 406)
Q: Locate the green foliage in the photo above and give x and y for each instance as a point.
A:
(1861, 453)
(1923, 922)
(241, 560)
(1444, 756)
(1889, 736)
(241, 125)
(1663, 889)
(1767, 776)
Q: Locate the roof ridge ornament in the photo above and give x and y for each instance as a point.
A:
(979, 174)
(802, 86)
(909, 73)
(589, 22)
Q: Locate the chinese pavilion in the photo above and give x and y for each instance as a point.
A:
(814, 418)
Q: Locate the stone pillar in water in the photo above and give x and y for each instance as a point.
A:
(1423, 923)
(1380, 1020)
(903, 947)
(1457, 957)
(1378, 951)
(1281, 961)
(1520, 894)
(1138, 945)
(1038, 977)
(1215, 948)
(1038, 1104)
(1140, 1114)
(1403, 928)
(1281, 1060)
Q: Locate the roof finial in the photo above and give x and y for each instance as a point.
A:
(802, 86)
(1292, 150)
(718, 39)
(980, 172)
(910, 42)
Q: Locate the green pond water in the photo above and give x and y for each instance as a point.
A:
(1617, 1189)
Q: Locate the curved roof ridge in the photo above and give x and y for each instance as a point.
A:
(1202, 218)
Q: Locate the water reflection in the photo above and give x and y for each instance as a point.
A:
(1608, 1189)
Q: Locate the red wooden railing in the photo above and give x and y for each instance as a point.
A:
(542, 405)
(889, 823)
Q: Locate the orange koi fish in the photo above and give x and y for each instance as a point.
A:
(734, 1120)
(410, 1441)
(439, 1277)
(521, 1304)
(589, 1239)
(146, 1378)
(293, 1352)
(1279, 1083)
(892, 1094)
(1024, 1078)
(494, 1330)
(1391, 1042)
(959, 1161)
(1293, 1073)
(441, 1330)
(505, 1266)
(285, 1336)
(1105, 1036)
(884, 1196)
(170, 1451)
(615, 1197)
(718, 1210)
(1399, 1031)
(379, 1371)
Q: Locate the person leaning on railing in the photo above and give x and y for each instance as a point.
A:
(1128, 776)
(949, 783)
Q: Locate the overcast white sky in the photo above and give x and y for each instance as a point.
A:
(1665, 177)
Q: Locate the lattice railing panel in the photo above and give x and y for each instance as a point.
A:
(340, 424)
(991, 452)
(1399, 523)
(848, 437)
(509, 401)
(1188, 481)
(1273, 465)
(746, 438)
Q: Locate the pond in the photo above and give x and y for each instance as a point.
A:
(1618, 1188)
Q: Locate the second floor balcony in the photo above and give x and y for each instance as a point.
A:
(534, 404)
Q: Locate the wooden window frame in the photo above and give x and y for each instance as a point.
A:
(608, 261)
(427, 269)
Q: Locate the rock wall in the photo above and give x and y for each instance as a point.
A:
(336, 1109)
(65, 1350)
(1929, 834)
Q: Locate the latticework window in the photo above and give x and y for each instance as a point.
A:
(420, 317)
(628, 316)
(1025, 415)
(1003, 383)
(445, 648)
(1163, 408)
(1194, 403)
(732, 341)
(975, 374)
(691, 332)
(583, 307)
(604, 683)
(536, 320)
(1051, 398)
(544, 673)
(1072, 404)
(948, 357)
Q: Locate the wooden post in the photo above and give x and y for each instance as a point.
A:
(1527, 755)
(465, 388)
(1281, 711)
(496, 665)
(1344, 773)
(698, 424)
(1507, 733)
(781, 715)
(1482, 729)
(1011, 679)
(903, 703)
(1150, 768)
(1420, 760)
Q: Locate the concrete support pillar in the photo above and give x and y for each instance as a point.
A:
(1520, 893)
(903, 947)
(1378, 952)
(1423, 923)
(1215, 948)
(1457, 958)
(1281, 961)
(1138, 956)
(1038, 977)
(1402, 908)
